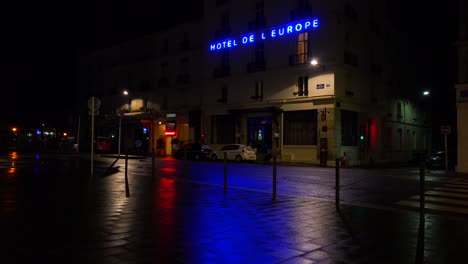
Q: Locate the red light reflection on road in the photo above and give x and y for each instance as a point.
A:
(167, 170)
(164, 214)
(14, 155)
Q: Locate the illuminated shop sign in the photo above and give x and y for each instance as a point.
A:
(272, 33)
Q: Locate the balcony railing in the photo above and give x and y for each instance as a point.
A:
(298, 59)
(163, 82)
(221, 72)
(300, 13)
(183, 78)
(255, 66)
(256, 24)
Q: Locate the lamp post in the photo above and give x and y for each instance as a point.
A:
(125, 93)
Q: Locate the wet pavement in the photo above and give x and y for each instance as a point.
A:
(51, 212)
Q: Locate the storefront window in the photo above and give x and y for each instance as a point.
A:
(300, 127)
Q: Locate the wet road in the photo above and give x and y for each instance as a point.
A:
(51, 212)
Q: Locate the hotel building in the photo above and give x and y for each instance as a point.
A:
(306, 80)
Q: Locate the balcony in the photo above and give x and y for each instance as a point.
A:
(255, 66)
(298, 59)
(300, 13)
(184, 45)
(163, 82)
(183, 78)
(223, 33)
(256, 24)
(221, 72)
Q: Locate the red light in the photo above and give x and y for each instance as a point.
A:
(169, 133)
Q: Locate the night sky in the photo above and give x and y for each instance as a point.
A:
(41, 42)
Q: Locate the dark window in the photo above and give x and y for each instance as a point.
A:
(224, 126)
(260, 10)
(260, 53)
(302, 86)
(225, 25)
(221, 2)
(349, 128)
(300, 127)
(350, 12)
(351, 58)
(165, 47)
(224, 95)
(258, 91)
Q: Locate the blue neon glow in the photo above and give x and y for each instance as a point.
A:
(38, 132)
(145, 130)
(272, 33)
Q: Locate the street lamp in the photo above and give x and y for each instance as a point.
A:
(314, 62)
(426, 93)
(125, 93)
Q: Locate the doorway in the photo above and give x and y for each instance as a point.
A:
(260, 133)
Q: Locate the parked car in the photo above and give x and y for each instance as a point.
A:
(194, 152)
(436, 161)
(103, 144)
(237, 152)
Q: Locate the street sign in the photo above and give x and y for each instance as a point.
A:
(445, 130)
(97, 104)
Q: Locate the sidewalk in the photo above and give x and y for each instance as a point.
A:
(172, 220)
(175, 221)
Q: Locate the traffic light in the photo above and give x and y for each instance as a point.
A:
(361, 137)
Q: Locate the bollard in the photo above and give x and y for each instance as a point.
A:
(185, 162)
(127, 188)
(422, 204)
(152, 164)
(422, 198)
(274, 177)
(225, 172)
(337, 184)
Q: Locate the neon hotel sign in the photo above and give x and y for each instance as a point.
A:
(273, 33)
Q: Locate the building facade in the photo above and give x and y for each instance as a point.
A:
(308, 81)
(462, 89)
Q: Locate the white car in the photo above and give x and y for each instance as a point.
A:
(237, 152)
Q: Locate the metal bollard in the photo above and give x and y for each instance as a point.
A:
(337, 184)
(422, 198)
(422, 204)
(127, 188)
(274, 177)
(152, 164)
(185, 162)
(225, 172)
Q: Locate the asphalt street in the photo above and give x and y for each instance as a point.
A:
(52, 211)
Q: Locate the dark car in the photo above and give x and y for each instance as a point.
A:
(436, 161)
(194, 152)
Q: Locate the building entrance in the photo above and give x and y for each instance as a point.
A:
(260, 134)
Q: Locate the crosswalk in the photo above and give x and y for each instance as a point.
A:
(449, 198)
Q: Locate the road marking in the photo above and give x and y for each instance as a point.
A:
(449, 194)
(460, 190)
(440, 200)
(436, 207)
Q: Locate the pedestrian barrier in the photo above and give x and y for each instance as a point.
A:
(337, 184)
(225, 172)
(127, 188)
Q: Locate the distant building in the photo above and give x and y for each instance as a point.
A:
(462, 89)
(306, 80)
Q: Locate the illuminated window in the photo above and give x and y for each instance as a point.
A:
(302, 47)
